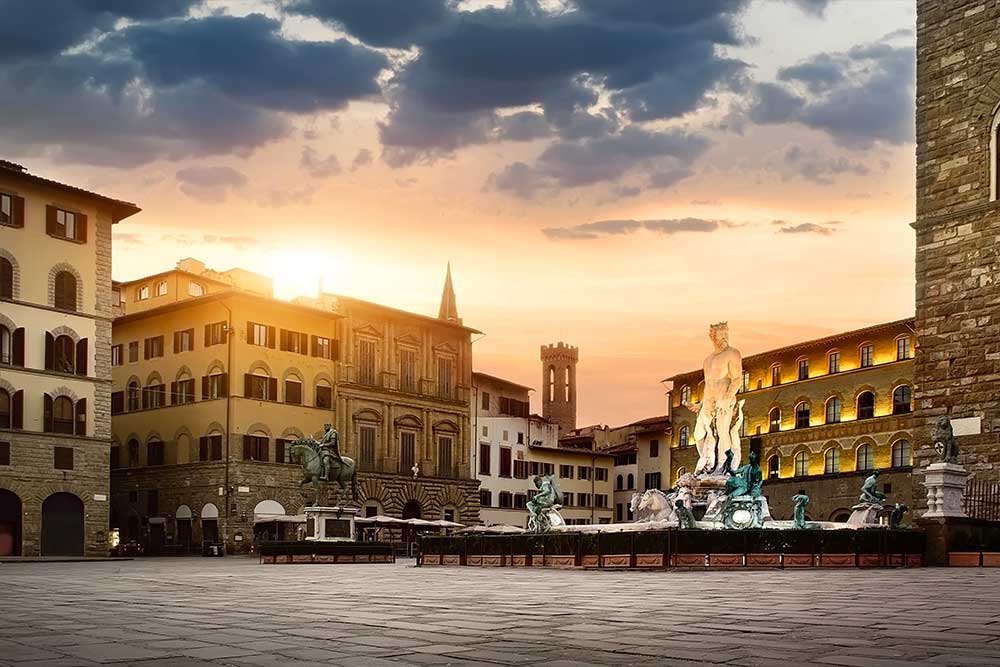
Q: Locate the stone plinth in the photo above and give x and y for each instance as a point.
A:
(945, 484)
(331, 524)
(865, 514)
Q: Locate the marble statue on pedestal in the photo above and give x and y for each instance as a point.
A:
(715, 430)
(944, 440)
(946, 478)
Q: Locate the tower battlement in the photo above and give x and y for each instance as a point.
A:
(560, 351)
(559, 384)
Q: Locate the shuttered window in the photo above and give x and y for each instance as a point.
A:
(408, 369)
(407, 451)
(6, 279)
(255, 448)
(505, 470)
(154, 453)
(64, 291)
(324, 396)
(367, 351)
(11, 210)
(366, 446)
(260, 334)
(445, 456)
(215, 333)
(294, 341)
(446, 383)
(293, 392)
(183, 341)
(153, 347)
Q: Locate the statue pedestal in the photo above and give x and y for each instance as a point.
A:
(945, 484)
(743, 512)
(865, 514)
(330, 524)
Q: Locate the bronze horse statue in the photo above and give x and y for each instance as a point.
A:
(304, 450)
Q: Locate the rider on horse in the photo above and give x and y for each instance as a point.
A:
(328, 448)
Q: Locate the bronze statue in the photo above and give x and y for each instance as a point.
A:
(800, 500)
(685, 519)
(944, 440)
(316, 458)
(747, 480)
(869, 493)
(897, 515)
(548, 499)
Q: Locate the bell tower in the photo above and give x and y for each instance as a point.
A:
(559, 385)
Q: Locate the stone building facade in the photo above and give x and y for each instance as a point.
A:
(55, 373)
(822, 414)
(957, 370)
(214, 381)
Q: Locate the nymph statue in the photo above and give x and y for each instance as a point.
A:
(715, 433)
(800, 500)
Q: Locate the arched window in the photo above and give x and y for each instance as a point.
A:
(133, 453)
(62, 415)
(631, 481)
(552, 383)
(831, 460)
(774, 420)
(64, 354)
(619, 481)
(566, 384)
(195, 289)
(4, 409)
(866, 405)
(6, 279)
(161, 288)
(133, 396)
(802, 464)
(802, 415)
(774, 467)
(833, 410)
(865, 460)
(685, 394)
(994, 160)
(5, 345)
(901, 455)
(154, 452)
(683, 436)
(324, 394)
(65, 291)
(902, 397)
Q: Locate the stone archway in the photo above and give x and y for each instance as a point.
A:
(10, 523)
(62, 525)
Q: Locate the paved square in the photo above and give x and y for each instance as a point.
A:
(232, 611)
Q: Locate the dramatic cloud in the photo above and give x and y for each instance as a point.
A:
(821, 229)
(607, 159)
(811, 166)
(388, 23)
(858, 97)
(603, 228)
(319, 167)
(209, 184)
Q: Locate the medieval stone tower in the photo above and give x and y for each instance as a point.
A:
(957, 365)
(559, 385)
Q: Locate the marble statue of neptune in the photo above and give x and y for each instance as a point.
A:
(714, 431)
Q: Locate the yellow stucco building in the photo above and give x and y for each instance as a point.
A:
(213, 377)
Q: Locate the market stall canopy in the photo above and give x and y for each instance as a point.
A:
(499, 529)
(280, 518)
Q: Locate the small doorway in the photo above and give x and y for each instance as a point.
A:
(157, 537)
(411, 510)
(10, 523)
(62, 525)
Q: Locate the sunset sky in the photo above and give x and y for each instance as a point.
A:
(615, 174)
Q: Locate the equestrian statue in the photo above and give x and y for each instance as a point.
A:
(322, 462)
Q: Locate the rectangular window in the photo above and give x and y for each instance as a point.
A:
(506, 500)
(281, 451)
(185, 392)
(154, 396)
(601, 501)
(63, 458)
(535, 468)
(601, 474)
(408, 369)
(486, 400)
(4, 453)
(66, 224)
(210, 448)
(520, 438)
(255, 448)
(505, 461)
(568, 499)
(445, 468)
(485, 498)
(115, 458)
(866, 356)
(566, 472)
(322, 347)
(215, 333)
(258, 335)
(293, 392)
(583, 499)
(505, 436)
(407, 451)
(654, 449)
(214, 386)
(775, 376)
(520, 500)
(153, 347)
(902, 348)
(154, 453)
(117, 402)
(548, 468)
(803, 369)
(294, 342)
(324, 396)
(745, 385)
(652, 480)
(486, 431)
(520, 469)
(583, 472)
(484, 459)
(183, 341)
(835, 362)
(446, 387)
(6, 209)
(133, 352)
(367, 351)
(116, 355)
(366, 446)
(259, 387)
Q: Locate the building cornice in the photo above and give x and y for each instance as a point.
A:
(923, 224)
(59, 311)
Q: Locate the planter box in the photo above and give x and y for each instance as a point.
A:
(797, 560)
(914, 560)
(451, 560)
(725, 560)
(963, 558)
(763, 560)
(649, 560)
(560, 561)
(689, 560)
(991, 559)
(475, 561)
(519, 561)
(303, 558)
(837, 560)
(430, 559)
(589, 561)
(869, 560)
(492, 561)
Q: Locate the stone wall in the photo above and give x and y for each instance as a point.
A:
(957, 368)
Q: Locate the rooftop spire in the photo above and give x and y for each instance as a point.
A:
(449, 309)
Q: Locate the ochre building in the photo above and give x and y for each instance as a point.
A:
(55, 370)
(213, 377)
(823, 414)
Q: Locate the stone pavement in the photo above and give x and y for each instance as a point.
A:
(232, 611)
